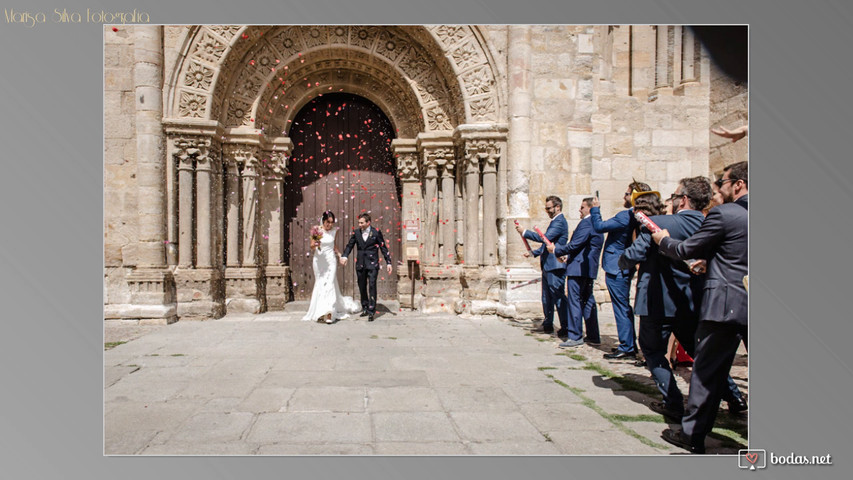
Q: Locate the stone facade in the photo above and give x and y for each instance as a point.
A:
(490, 120)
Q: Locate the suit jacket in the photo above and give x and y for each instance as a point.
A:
(618, 231)
(665, 286)
(557, 232)
(723, 240)
(583, 250)
(368, 251)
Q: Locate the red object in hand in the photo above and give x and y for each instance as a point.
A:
(647, 222)
(544, 238)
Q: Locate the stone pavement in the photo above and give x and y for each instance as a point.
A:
(405, 384)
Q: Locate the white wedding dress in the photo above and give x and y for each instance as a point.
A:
(326, 297)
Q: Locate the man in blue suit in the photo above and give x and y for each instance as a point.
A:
(553, 271)
(582, 253)
(618, 281)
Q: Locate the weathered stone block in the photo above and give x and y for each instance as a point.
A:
(601, 169)
(672, 138)
(619, 144)
(546, 88)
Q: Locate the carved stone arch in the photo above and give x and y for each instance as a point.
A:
(472, 63)
(225, 70)
(333, 70)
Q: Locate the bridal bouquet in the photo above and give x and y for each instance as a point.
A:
(316, 235)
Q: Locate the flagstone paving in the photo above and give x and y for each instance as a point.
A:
(405, 384)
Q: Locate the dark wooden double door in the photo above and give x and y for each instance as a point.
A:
(342, 162)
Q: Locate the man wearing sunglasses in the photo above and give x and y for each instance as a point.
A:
(723, 240)
(553, 271)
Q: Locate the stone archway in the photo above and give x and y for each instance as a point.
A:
(232, 95)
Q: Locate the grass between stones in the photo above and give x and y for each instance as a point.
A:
(727, 429)
(614, 419)
(109, 345)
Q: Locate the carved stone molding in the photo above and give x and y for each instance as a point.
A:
(247, 75)
(189, 148)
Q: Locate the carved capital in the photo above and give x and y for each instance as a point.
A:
(435, 158)
(407, 166)
(240, 154)
(275, 165)
(482, 151)
(188, 149)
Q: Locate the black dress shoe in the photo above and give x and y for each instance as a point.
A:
(640, 363)
(680, 439)
(664, 410)
(370, 317)
(613, 350)
(617, 355)
(738, 406)
(541, 329)
(364, 313)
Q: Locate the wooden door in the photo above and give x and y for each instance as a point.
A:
(342, 161)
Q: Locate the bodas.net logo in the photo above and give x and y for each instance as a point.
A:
(752, 459)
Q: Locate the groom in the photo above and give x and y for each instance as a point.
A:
(369, 242)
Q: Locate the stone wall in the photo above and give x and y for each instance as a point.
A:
(120, 192)
(729, 109)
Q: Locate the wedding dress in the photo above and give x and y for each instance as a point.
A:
(326, 297)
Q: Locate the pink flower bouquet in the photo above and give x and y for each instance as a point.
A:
(316, 235)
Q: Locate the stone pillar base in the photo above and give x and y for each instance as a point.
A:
(523, 299)
(244, 290)
(689, 89)
(441, 289)
(278, 286)
(200, 293)
(481, 283)
(152, 296)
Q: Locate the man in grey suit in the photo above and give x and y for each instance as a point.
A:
(723, 241)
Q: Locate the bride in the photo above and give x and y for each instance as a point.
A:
(327, 303)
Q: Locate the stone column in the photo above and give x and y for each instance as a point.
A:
(277, 274)
(244, 288)
(405, 150)
(203, 211)
(663, 59)
(150, 147)
(490, 206)
(232, 188)
(471, 171)
(151, 283)
(447, 218)
(186, 171)
(429, 218)
(172, 203)
(518, 140)
(218, 210)
(250, 211)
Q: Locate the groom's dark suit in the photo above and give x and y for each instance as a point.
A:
(367, 263)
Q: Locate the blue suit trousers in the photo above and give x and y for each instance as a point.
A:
(554, 296)
(582, 309)
(619, 287)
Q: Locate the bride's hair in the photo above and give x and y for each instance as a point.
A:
(327, 215)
